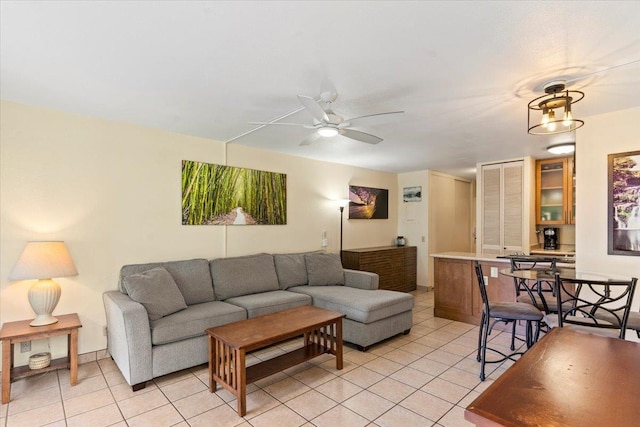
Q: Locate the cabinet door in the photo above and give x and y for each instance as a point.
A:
(552, 192)
(503, 208)
(571, 191)
(491, 209)
(512, 179)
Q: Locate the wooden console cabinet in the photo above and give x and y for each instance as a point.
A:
(396, 265)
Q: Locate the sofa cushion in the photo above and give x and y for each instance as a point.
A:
(237, 276)
(156, 290)
(324, 269)
(269, 302)
(364, 306)
(192, 277)
(192, 321)
(291, 270)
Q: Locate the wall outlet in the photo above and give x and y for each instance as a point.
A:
(25, 346)
(486, 280)
(494, 271)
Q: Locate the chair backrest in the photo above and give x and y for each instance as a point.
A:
(545, 264)
(533, 263)
(483, 289)
(594, 303)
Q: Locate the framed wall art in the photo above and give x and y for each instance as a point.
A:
(227, 195)
(412, 194)
(624, 203)
(368, 203)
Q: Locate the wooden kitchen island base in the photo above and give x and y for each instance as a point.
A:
(229, 344)
(457, 296)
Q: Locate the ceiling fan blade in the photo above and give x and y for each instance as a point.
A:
(349, 122)
(277, 123)
(314, 108)
(310, 139)
(360, 136)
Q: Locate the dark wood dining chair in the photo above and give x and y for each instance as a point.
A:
(507, 312)
(600, 307)
(539, 292)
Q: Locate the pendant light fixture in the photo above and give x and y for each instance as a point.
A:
(557, 100)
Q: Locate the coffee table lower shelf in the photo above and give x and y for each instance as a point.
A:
(284, 361)
(228, 345)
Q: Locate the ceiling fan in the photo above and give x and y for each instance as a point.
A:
(326, 122)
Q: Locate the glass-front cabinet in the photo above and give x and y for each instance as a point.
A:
(555, 191)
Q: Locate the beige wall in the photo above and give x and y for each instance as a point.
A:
(413, 220)
(112, 192)
(602, 135)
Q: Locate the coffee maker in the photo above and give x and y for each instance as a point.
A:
(550, 238)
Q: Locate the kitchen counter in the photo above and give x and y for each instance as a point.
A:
(457, 296)
(562, 250)
(564, 260)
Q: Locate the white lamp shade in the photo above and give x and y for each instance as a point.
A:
(43, 260)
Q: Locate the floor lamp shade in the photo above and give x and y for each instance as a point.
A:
(43, 261)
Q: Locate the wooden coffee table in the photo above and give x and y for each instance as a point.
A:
(229, 344)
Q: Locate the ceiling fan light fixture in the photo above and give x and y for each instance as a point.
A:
(327, 131)
(557, 97)
(562, 148)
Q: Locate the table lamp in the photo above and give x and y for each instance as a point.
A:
(42, 261)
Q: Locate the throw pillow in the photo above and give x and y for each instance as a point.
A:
(156, 290)
(324, 269)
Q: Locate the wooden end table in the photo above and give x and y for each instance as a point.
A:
(229, 344)
(16, 332)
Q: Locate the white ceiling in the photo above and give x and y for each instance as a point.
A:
(463, 72)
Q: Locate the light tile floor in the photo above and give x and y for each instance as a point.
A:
(425, 378)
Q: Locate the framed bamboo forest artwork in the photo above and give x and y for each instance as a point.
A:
(227, 195)
(624, 203)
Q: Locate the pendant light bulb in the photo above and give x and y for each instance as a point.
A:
(545, 117)
(551, 126)
(568, 118)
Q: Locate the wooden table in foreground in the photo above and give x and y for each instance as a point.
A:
(229, 344)
(16, 332)
(567, 378)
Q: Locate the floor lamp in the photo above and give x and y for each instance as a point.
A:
(342, 203)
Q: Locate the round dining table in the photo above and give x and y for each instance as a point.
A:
(565, 273)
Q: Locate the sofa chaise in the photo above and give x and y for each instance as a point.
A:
(157, 318)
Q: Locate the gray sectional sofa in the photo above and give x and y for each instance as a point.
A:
(157, 318)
